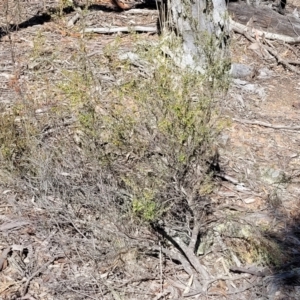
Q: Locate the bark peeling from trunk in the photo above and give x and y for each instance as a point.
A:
(203, 27)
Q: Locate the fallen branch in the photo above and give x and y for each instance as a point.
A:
(13, 225)
(186, 251)
(174, 255)
(193, 259)
(228, 178)
(249, 271)
(280, 60)
(246, 31)
(143, 11)
(120, 29)
(194, 237)
(260, 123)
(293, 62)
(238, 27)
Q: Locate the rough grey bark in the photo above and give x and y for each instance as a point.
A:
(203, 27)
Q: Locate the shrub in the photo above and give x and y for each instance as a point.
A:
(157, 135)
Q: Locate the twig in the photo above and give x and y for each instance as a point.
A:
(245, 288)
(293, 62)
(3, 257)
(295, 31)
(160, 269)
(233, 207)
(194, 236)
(40, 270)
(248, 271)
(228, 178)
(189, 253)
(260, 123)
(143, 11)
(141, 279)
(49, 130)
(291, 48)
(13, 225)
(73, 20)
(177, 256)
(120, 29)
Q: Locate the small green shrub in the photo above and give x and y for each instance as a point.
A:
(146, 208)
(150, 135)
(16, 136)
(157, 134)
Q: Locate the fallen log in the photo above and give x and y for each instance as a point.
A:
(265, 19)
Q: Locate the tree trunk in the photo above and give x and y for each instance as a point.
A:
(203, 28)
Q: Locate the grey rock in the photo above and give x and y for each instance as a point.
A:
(241, 71)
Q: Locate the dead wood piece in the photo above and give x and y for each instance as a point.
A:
(233, 207)
(73, 20)
(228, 178)
(177, 284)
(13, 225)
(279, 59)
(246, 31)
(266, 20)
(194, 260)
(260, 123)
(245, 288)
(3, 257)
(139, 279)
(143, 11)
(194, 237)
(120, 29)
(174, 255)
(250, 271)
(187, 251)
(268, 35)
(293, 62)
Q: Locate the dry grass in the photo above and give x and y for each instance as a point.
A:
(89, 147)
(94, 148)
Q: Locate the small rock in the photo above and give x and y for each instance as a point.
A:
(250, 87)
(272, 176)
(265, 73)
(249, 200)
(241, 71)
(224, 139)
